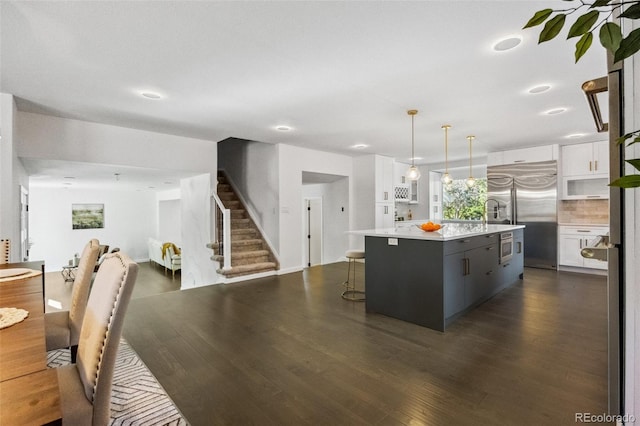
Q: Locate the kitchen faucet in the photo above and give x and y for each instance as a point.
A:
(484, 209)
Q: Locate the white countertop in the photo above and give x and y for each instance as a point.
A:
(449, 231)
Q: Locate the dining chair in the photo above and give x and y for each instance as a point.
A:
(85, 387)
(5, 246)
(62, 328)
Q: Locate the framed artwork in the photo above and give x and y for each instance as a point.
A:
(87, 216)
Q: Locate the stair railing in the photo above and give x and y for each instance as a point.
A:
(223, 232)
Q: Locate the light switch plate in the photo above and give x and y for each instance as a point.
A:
(392, 241)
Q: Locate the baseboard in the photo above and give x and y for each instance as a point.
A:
(583, 270)
(289, 270)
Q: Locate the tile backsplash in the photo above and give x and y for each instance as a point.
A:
(583, 211)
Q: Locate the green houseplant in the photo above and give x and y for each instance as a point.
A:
(595, 16)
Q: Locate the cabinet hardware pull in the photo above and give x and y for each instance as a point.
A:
(590, 166)
(490, 272)
(519, 248)
(386, 194)
(519, 161)
(386, 209)
(505, 265)
(464, 241)
(584, 230)
(468, 266)
(464, 266)
(490, 248)
(593, 196)
(596, 163)
(581, 240)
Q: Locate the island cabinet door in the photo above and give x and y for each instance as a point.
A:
(454, 274)
(482, 274)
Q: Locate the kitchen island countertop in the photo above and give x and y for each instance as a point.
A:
(449, 231)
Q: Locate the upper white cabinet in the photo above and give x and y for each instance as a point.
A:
(384, 179)
(585, 159)
(524, 155)
(585, 171)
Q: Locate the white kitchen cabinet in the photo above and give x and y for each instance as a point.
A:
(585, 171)
(373, 191)
(383, 179)
(585, 159)
(384, 217)
(572, 239)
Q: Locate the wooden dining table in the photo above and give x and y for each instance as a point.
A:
(29, 393)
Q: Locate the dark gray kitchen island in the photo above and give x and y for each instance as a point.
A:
(432, 278)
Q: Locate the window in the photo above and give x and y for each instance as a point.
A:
(462, 203)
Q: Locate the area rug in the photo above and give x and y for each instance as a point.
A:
(137, 397)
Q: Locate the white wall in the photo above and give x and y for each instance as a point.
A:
(335, 220)
(253, 169)
(197, 267)
(169, 216)
(293, 161)
(12, 176)
(130, 218)
(169, 222)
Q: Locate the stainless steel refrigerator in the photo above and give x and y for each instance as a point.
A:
(526, 194)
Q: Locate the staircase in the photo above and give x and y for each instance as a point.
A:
(250, 254)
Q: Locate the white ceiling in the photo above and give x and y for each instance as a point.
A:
(338, 73)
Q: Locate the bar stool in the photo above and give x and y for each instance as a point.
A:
(351, 293)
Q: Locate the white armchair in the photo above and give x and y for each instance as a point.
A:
(165, 254)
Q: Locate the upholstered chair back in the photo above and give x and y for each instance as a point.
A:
(5, 249)
(102, 329)
(81, 286)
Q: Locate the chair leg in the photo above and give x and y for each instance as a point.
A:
(74, 353)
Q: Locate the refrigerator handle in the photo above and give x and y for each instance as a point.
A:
(514, 205)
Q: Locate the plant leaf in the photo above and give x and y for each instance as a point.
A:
(628, 45)
(583, 45)
(632, 12)
(538, 18)
(631, 181)
(583, 24)
(635, 163)
(624, 137)
(610, 36)
(552, 28)
(599, 3)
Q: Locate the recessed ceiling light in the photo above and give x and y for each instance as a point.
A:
(539, 89)
(360, 146)
(507, 43)
(575, 135)
(283, 128)
(555, 111)
(151, 95)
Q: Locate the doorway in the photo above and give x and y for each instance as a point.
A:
(313, 231)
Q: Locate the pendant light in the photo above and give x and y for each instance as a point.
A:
(470, 180)
(412, 172)
(446, 178)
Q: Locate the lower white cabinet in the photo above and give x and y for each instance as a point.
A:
(572, 239)
(385, 215)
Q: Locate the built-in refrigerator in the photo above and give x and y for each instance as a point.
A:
(526, 194)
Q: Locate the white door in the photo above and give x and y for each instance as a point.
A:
(313, 230)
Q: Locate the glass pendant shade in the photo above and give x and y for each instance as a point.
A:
(412, 172)
(470, 182)
(446, 179)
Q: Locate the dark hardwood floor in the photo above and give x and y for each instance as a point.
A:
(289, 350)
